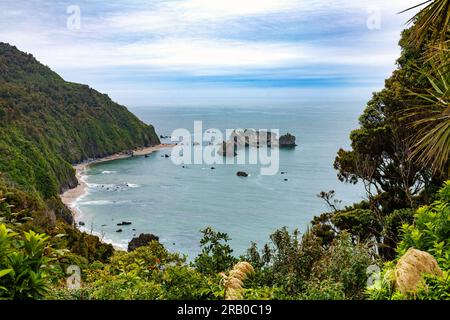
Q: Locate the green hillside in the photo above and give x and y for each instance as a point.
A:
(46, 124)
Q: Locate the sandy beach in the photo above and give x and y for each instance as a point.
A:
(70, 196)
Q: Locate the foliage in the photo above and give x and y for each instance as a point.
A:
(434, 19)
(400, 150)
(25, 267)
(431, 229)
(216, 255)
(381, 148)
(429, 232)
(46, 124)
(149, 272)
(302, 267)
(428, 114)
(435, 288)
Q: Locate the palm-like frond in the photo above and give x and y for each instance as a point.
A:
(434, 19)
(430, 117)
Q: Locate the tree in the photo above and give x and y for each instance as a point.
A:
(430, 117)
(385, 148)
(216, 255)
(429, 113)
(381, 147)
(434, 19)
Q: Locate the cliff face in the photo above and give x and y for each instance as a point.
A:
(47, 123)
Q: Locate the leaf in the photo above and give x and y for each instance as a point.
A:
(60, 235)
(5, 272)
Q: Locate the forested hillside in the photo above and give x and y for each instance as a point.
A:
(46, 124)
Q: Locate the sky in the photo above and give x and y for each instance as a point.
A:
(213, 52)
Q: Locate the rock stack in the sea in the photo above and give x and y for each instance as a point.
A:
(254, 138)
(287, 141)
(144, 239)
(247, 138)
(227, 149)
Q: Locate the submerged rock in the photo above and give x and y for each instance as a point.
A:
(119, 230)
(143, 240)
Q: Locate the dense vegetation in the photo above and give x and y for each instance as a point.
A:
(46, 124)
(400, 153)
(289, 267)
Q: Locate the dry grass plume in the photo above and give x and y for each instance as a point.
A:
(410, 268)
(234, 281)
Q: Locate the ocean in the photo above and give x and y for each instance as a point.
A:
(175, 202)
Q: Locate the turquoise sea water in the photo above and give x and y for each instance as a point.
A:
(175, 203)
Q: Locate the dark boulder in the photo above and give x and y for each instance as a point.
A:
(143, 240)
(287, 141)
(124, 223)
(242, 174)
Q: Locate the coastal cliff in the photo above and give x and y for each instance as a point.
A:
(47, 124)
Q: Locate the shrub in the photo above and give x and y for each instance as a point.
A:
(147, 273)
(345, 266)
(431, 229)
(216, 255)
(307, 269)
(185, 283)
(24, 267)
(429, 232)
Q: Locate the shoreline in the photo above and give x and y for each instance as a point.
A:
(70, 196)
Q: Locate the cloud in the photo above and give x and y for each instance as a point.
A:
(179, 42)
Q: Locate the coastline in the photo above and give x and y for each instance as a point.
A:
(70, 197)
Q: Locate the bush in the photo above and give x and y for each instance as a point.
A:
(431, 229)
(185, 283)
(429, 232)
(306, 269)
(343, 269)
(147, 273)
(216, 255)
(24, 267)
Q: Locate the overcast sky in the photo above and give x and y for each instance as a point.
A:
(206, 52)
